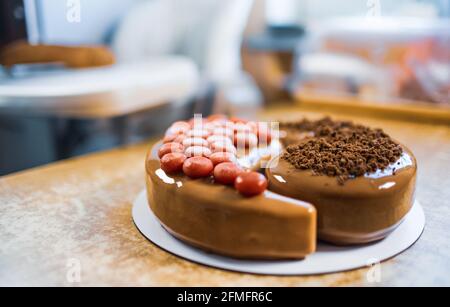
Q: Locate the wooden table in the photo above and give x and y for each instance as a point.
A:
(81, 209)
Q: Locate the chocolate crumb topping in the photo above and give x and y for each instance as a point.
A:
(340, 149)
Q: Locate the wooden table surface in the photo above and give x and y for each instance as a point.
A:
(81, 209)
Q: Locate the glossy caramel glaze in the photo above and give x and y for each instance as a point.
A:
(217, 218)
(361, 210)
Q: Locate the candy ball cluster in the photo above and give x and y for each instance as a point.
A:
(208, 147)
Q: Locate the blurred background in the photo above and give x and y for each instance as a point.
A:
(78, 76)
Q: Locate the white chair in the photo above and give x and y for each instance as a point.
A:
(207, 32)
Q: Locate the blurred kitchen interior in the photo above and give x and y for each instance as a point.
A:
(82, 76)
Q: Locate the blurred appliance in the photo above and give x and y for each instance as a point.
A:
(57, 115)
(384, 58)
(174, 58)
(48, 112)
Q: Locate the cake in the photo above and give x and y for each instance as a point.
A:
(205, 184)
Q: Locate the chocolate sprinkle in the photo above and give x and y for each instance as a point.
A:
(340, 149)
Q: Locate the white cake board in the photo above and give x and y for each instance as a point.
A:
(327, 259)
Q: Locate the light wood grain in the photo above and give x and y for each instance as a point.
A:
(81, 209)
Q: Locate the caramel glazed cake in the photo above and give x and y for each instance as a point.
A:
(333, 181)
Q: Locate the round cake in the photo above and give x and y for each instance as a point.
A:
(329, 180)
(360, 180)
